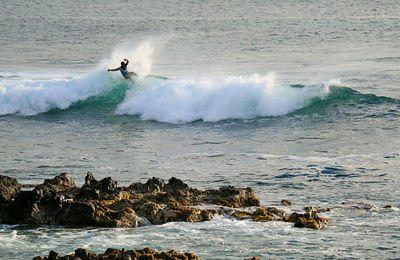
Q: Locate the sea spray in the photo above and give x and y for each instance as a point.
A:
(139, 56)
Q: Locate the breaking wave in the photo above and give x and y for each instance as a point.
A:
(171, 100)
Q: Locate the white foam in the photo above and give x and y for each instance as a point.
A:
(28, 96)
(139, 56)
(180, 101)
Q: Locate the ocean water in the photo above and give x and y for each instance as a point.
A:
(299, 100)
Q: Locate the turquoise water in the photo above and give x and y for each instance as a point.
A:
(296, 99)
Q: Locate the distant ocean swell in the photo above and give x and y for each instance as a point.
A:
(177, 101)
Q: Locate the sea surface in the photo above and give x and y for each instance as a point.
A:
(299, 100)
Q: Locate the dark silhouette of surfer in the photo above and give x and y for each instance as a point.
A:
(124, 71)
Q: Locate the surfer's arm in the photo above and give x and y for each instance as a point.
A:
(112, 69)
(127, 62)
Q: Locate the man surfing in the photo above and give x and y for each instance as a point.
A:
(124, 71)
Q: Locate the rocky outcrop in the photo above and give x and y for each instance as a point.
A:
(103, 203)
(9, 189)
(60, 183)
(310, 219)
(233, 197)
(123, 254)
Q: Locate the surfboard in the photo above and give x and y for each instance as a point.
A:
(157, 77)
(130, 86)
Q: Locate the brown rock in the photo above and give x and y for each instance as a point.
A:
(319, 209)
(233, 197)
(112, 253)
(81, 253)
(286, 202)
(102, 203)
(293, 217)
(78, 213)
(9, 189)
(61, 183)
(242, 214)
(262, 215)
(54, 256)
(267, 214)
(310, 219)
(278, 213)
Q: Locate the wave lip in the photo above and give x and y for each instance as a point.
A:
(182, 101)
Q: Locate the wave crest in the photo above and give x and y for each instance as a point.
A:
(181, 101)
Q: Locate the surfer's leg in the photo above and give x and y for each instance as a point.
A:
(129, 76)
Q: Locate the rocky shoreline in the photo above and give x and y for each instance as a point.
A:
(102, 203)
(123, 254)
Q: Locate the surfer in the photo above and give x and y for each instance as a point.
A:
(124, 71)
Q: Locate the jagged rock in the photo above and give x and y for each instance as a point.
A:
(61, 183)
(233, 197)
(267, 214)
(310, 219)
(262, 215)
(242, 214)
(108, 184)
(175, 184)
(38, 206)
(102, 203)
(318, 209)
(42, 204)
(151, 186)
(9, 189)
(286, 202)
(54, 256)
(77, 213)
(106, 188)
(123, 254)
(277, 213)
(90, 181)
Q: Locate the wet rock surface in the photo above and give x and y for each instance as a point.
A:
(123, 254)
(9, 189)
(103, 203)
